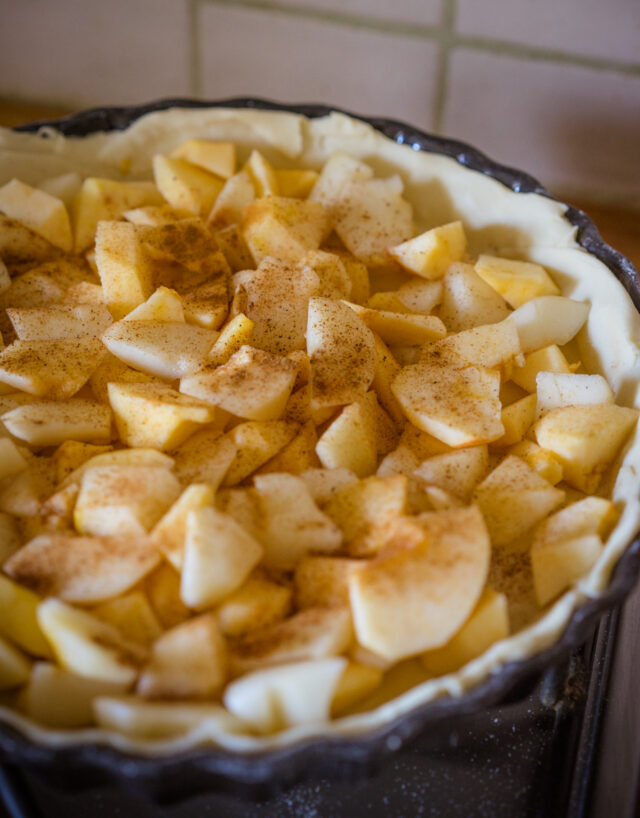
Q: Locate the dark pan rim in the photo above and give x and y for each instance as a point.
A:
(208, 768)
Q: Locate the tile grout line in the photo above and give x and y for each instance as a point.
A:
(391, 28)
(444, 62)
(195, 54)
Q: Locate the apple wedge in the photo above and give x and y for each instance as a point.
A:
(460, 407)
(285, 696)
(342, 353)
(82, 569)
(437, 584)
(218, 557)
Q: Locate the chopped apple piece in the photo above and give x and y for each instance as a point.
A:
(586, 439)
(124, 267)
(11, 461)
(234, 335)
(355, 684)
(216, 157)
(10, 536)
(460, 407)
(104, 199)
(162, 586)
(362, 508)
(49, 423)
(296, 183)
(285, 696)
(132, 615)
(88, 647)
(277, 303)
(430, 254)
(386, 369)
(492, 345)
(350, 441)
(263, 175)
(169, 533)
(18, 618)
(488, 623)
(256, 441)
(111, 370)
(204, 458)
(119, 457)
(332, 274)
(342, 353)
(185, 186)
(291, 523)
(252, 384)
(155, 215)
(283, 228)
(120, 500)
(555, 390)
(516, 418)
(162, 720)
(63, 700)
(154, 415)
(15, 668)
(236, 194)
(81, 569)
(255, 605)
(168, 350)
(541, 460)
(557, 565)
(41, 212)
(516, 281)
(218, 556)
(513, 498)
(549, 319)
(297, 456)
(468, 301)
(163, 305)
(187, 662)
(547, 359)
(437, 583)
(419, 295)
(324, 483)
(315, 633)
(323, 582)
(401, 328)
(59, 322)
(458, 472)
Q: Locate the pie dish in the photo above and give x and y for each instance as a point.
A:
(507, 213)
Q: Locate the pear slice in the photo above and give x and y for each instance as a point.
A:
(460, 407)
(50, 369)
(407, 601)
(187, 662)
(82, 569)
(286, 696)
(88, 647)
(342, 353)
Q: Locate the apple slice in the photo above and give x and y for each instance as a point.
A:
(492, 345)
(162, 586)
(256, 442)
(296, 183)
(204, 458)
(315, 633)
(555, 390)
(237, 193)
(549, 319)
(430, 254)
(164, 305)
(286, 696)
(15, 668)
(458, 472)
(218, 556)
(18, 618)
(547, 359)
(132, 615)
(291, 523)
(120, 500)
(60, 322)
(255, 605)
(283, 228)
(342, 353)
(437, 583)
(513, 498)
(557, 565)
(169, 533)
(88, 647)
(168, 350)
(541, 460)
(323, 582)
(154, 415)
(124, 267)
(209, 154)
(460, 407)
(401, 328)
(41, 212)
(516, 281)
(185, 186)
(350, 441)
(11, 461)
(82, 569)
(586, 439)
(187, 662)
(468, 301)
(49, 423)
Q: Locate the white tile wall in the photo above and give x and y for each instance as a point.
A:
(293, 59)
(572, 127)
(609, 29)
(425, 12)
(83, 52)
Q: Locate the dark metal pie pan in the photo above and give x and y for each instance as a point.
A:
(173, 777)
